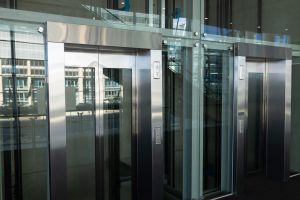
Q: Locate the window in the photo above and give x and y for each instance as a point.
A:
(21, 83)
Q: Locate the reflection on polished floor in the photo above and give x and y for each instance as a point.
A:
(262, 188)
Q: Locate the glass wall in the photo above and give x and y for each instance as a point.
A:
(23, 119)
(181, 86)
(124, 12)
(173, 127)
(178, 14)
(218, 134)
(262, 19)
(171, 14)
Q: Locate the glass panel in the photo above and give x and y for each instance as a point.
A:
(254, 136)
(117, 126)
(295, 118)
(181, 102)
(253, 19)
(173, 121)
(23, 119)
(81, 129)
(217, 138)
(125, 12)
(179, 14)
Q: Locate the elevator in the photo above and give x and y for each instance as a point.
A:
(105, 113)
(262, 99)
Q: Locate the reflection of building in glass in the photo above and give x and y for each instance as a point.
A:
(82, 79)
(26, 77)
(112, 88)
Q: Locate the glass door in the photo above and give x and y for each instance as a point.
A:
(217, 125)
(80, 94)
(117, 123)
(99, 125)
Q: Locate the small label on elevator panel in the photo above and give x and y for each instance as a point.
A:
(157, 132)
(156, 70)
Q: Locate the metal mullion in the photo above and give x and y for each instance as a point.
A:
(99, 135)
(57, 121)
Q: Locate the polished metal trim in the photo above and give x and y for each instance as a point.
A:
(288, 122)
(134, 131)
(223, 196)
(101, 140)
(112, 60)
(99, 137)
(149, 115)
(57, 121)
(295, 175)
(276, 119)
(239, 113)
(157, 124)
(102, 36)
(262, 51)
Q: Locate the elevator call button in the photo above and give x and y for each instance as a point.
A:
(156, 70)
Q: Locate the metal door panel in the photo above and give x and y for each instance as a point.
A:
(117, 60)
(277, 86)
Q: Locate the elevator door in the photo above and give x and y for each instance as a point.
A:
(99, 125)
(255, 138)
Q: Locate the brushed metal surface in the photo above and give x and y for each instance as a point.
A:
(101, 36)
(275, 119)
(288, 120)
(57, 121)
(239, 110)
(262, 51)
(144, 136)
(157, 123)
(277, 107)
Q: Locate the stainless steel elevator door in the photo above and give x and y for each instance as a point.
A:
(100, 123)
(255, 138)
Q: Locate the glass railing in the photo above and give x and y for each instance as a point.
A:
(219, 31)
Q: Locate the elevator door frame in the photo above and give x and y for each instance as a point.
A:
(280, 58)
(260, 67)
(148, 105)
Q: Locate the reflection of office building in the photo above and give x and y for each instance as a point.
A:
(82, 80)
(149, 100)
(29, 75)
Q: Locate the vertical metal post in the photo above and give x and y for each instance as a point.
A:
(157, 125)
(239, 121)
(287, 128)
(57, 121)
(163, 14)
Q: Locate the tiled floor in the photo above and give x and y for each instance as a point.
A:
(262, 188)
